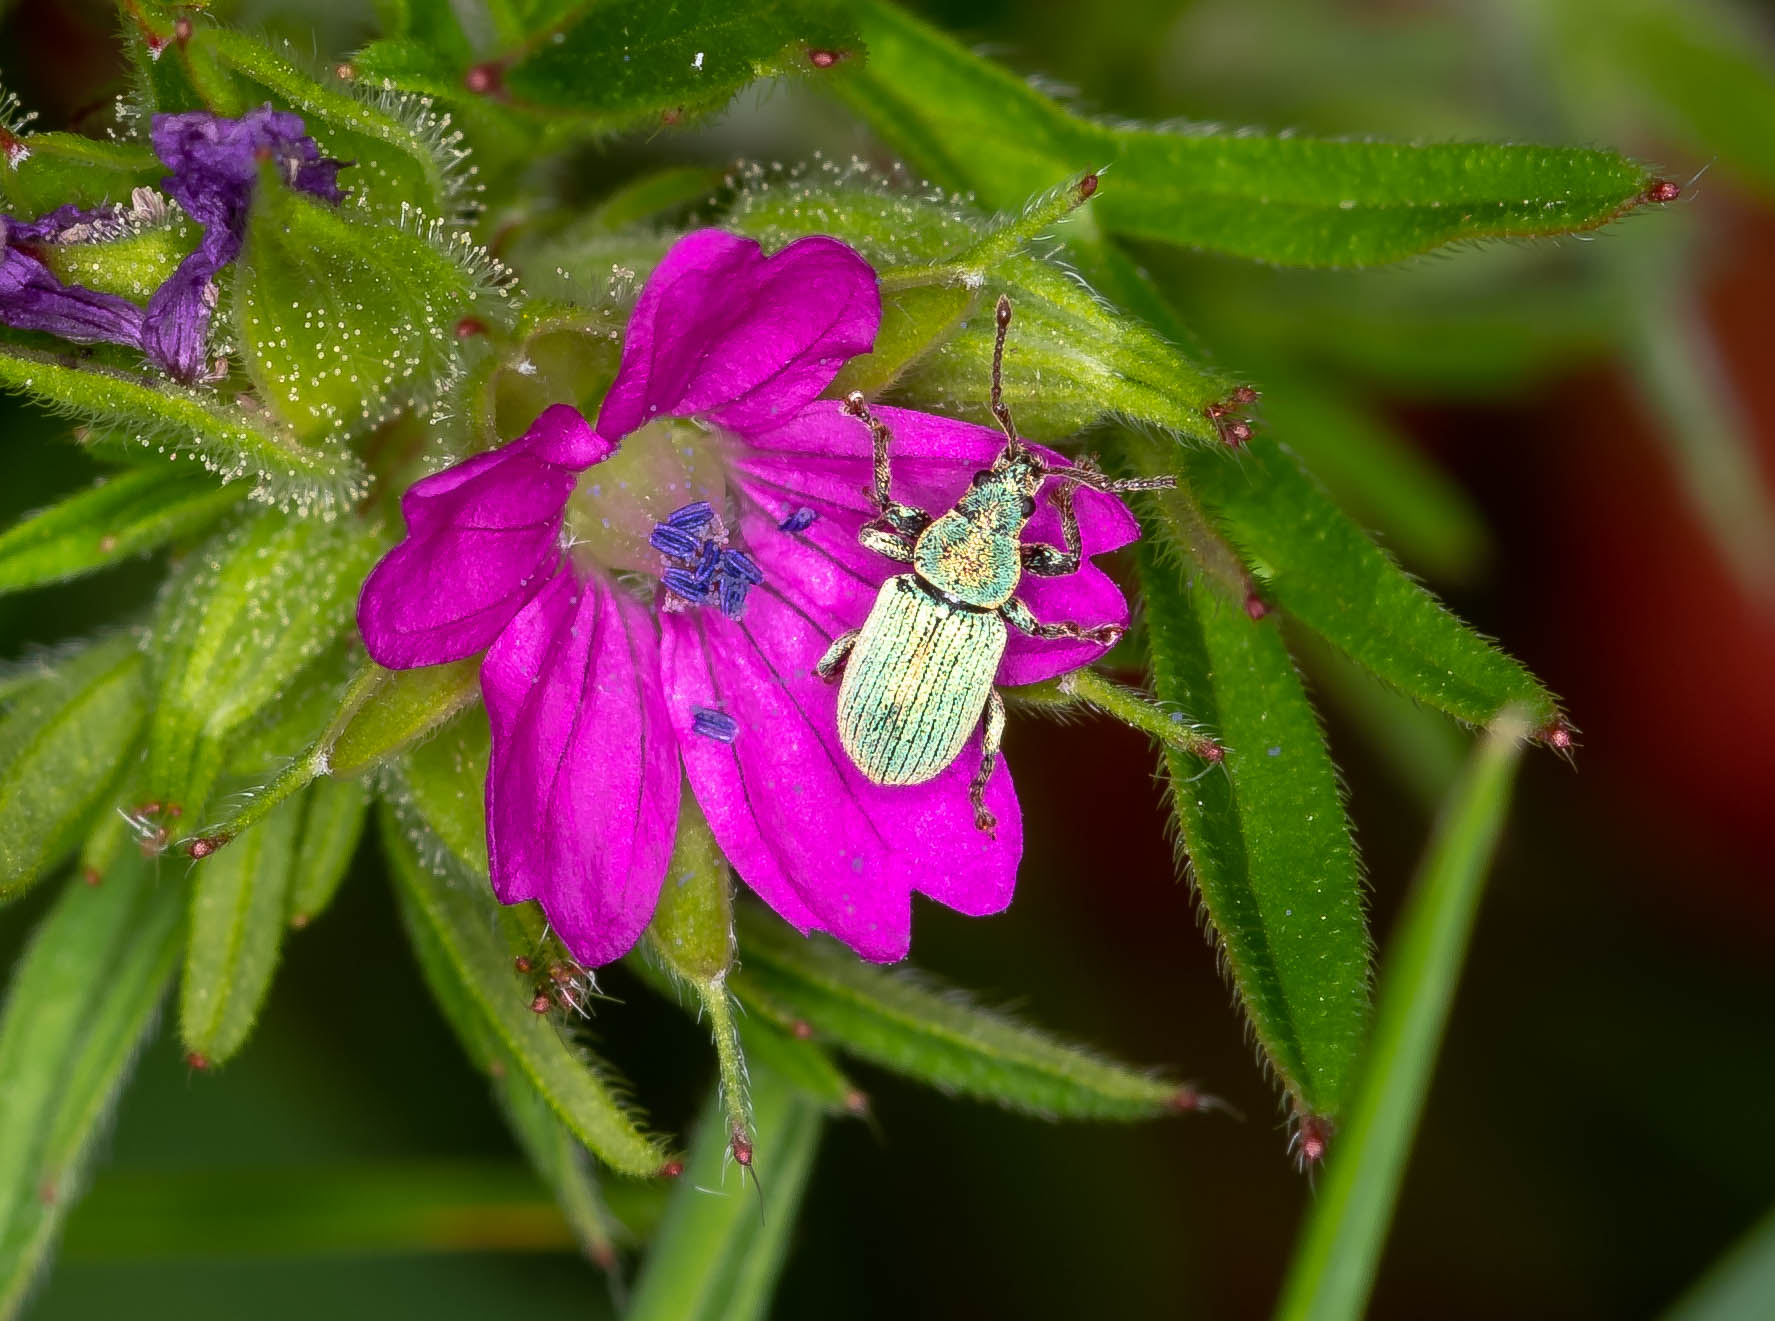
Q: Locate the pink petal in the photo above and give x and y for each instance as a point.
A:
(583, 786)
(821, 459)
(723, 331)
(482, 538)
(817, 841)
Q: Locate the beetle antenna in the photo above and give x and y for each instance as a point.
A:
(1013, 446)
(1087, 473)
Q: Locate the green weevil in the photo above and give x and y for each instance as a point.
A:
(917, 676)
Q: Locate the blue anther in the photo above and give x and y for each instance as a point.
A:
(692, 516)
(668, 540)
(802, 519)
(680, 582)
(708, 559)
(717, 725)
(742, 565)
(733, 595)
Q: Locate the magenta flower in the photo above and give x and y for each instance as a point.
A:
(656, 611)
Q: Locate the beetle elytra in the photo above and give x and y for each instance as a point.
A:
(918, 675)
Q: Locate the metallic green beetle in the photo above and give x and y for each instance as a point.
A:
(920, 669)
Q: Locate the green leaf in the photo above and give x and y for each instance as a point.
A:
(555, 1153)
(332, 823)
(1293, 201)
(155, 237)
(62, 744)
(716, 1258)
(1071, 359)
(82, 1000)
(564, 1164)
(342, 322)
(121, 515)
(1269, 847)
(454, 910)
(257, 603)
(402, 154)
(1739, 1285)
(240, 907)
(183, 423)
(1382, 479)
(913, 1025)
(1317, 565)
(444, 783)
(1340, 1246)
(47, 170)
(582, 69)
(1703, 71)
(340, 1212)
(401, 707)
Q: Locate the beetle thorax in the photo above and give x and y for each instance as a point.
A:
(972, 554)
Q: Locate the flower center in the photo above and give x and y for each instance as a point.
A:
(653, 507)
(663, 467)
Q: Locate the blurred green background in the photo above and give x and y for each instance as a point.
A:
(1597, 1134)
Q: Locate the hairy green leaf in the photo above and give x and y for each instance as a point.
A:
(454, 909)
(332, 823)
(82, 1000)
(131, 256)
(716, 1258)
(402, 155)
(180, 422)
(555, 1153)
(62, 745)
(1071, 359)
(240, 907)
(1377, 475)
(46, 170)
(1292, 201)
(1340, 1246)
(915, 1026)
(1268, 844)
(1317, 565)
(400, 708)
(579, 69)
(121, 515)
(255, 605)
(341, 321)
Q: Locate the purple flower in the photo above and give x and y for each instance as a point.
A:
(215, 166)
(745, 519)
(33, 297)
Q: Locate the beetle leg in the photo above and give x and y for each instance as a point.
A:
(1047, 561)
(833, 661)
(895, 516)
(995, 731)
(1104, 635)
(886, 541)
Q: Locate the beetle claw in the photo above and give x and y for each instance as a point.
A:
(986, 821)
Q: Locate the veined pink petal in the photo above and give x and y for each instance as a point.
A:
(818, 842)
(723, 331)
(583, 786)
(821, 459)
(482, 539)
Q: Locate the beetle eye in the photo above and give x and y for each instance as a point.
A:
(981, 478)
(1028, 507)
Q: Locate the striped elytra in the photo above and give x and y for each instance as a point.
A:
(916, 682)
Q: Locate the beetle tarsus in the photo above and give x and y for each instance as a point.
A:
(832, 662)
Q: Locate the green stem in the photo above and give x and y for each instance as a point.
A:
(1339, 1250)
(1090, 689)
(1003, 241)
